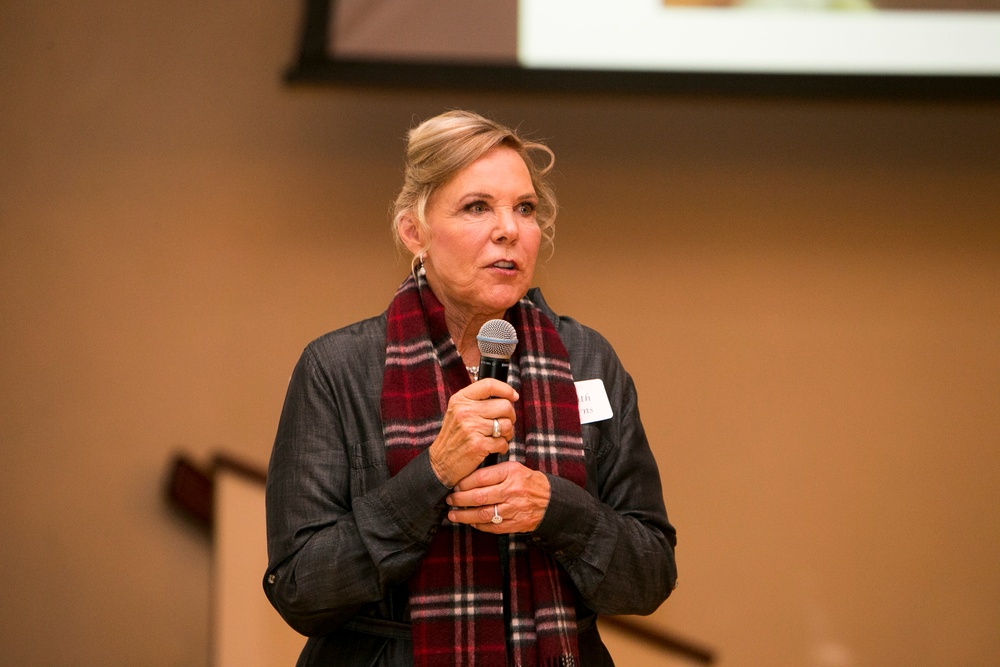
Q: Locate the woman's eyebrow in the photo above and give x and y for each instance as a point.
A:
(485, 195)
(477, 195)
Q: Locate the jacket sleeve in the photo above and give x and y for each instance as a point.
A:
(613, 538)
(340, 531)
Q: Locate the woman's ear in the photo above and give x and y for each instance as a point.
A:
(410, 232)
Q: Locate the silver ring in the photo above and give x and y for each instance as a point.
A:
(496, 516)
(496, 429)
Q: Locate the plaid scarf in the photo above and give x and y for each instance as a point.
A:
(457, 595)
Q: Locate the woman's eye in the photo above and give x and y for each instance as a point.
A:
(476, 207)
(526, 208)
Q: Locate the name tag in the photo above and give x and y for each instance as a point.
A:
(594, 403)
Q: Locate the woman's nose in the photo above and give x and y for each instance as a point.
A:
(505, 225)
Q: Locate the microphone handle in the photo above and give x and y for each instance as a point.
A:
(493, 367)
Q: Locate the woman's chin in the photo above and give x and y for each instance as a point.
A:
(499, 300)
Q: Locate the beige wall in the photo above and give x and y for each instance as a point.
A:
(807, 293)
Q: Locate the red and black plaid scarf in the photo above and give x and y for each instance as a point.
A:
(457, 595)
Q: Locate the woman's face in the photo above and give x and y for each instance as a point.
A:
(484, 239)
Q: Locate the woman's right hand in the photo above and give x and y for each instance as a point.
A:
(466, 436)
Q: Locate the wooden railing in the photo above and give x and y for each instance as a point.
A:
(191, 489)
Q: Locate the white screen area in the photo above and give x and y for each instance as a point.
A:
(880, 37)
(648, 35)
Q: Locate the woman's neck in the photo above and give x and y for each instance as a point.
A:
(463, 331)
(464, 325)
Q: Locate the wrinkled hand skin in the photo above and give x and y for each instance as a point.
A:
(466, 436)
(521, 496)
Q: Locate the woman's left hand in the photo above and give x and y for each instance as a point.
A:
(518, 495)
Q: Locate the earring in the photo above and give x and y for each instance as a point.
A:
(421, 271)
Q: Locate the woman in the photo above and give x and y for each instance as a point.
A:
(389, 540)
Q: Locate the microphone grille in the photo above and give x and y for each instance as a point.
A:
(497, 338)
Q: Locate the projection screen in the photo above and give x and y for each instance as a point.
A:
(655, 44)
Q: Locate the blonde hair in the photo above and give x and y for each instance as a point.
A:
(440, 147)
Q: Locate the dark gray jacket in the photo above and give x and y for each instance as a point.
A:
(343, 536)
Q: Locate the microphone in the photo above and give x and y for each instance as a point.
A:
(497, 340)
